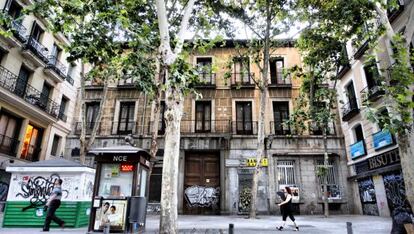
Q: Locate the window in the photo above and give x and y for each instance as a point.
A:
(37, 32)
(115, 183)
(126, 118)
(203, 116)
(92, 109)
(13, 9)
(22, 80)
(56, 51)
(55, 145)
(334, 191)
(31, 143)
(62, 108)
(242, 70)
(280, 114)
(44, 96)
(276, 70)
(358, 133)
(286, 173)
(244, 123)
(350, 92)
(204, 70)
(371, 75)
(9, 132)
(155, 185)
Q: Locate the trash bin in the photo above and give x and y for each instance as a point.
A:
(137, 212)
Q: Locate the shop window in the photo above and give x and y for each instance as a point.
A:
(203, 116)
(115, 183)
(55, 145)
(334, 191)
(126, 118)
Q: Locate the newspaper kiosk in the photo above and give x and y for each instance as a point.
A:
(121, 173)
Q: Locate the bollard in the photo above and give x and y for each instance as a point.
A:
(231, 228)
(349, 227)
(106, 228)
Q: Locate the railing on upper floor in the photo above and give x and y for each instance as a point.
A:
(57, 66)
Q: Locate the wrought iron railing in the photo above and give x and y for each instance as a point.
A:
(243, 79)
(62, 116)
(38, 49)
(8, 145)
(278, 128)
(206, 79)
(206, 126)
(19, 31)
(244, 127)
(57, 66)
(349, 108)
(123, 127)
(31, 95)
(372, 93)
(280, 79)
(89, 128)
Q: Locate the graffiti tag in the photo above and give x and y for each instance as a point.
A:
(38, 189)
(4, 187)
(199, 196)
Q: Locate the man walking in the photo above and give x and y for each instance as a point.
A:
(52, 205)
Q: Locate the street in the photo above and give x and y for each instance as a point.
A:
(264, 224)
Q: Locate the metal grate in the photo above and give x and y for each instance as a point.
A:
(286, 172)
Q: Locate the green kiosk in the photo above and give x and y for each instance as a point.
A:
(120, 180)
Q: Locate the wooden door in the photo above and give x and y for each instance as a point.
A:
(202, 183)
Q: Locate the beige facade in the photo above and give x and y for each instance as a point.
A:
(38, 89)
(219, 138)
(365, 141)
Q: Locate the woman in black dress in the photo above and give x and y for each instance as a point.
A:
(286, 210)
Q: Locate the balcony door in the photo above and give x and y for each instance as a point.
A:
(37, 32)
(204, 67)
(350, 92)
(371, 74)
(280, 114)
(13, 9)
(92, 110)
(276, 70)
(244, 123)
(31, 143)
(126, 118)
(203, 116)
(242, 70)
(21, 82)
(44, 96)
(9, 133)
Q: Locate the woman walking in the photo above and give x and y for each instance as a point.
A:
(286, 209)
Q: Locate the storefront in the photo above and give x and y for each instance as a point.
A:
(31, 185)
(381, 184)
(121, 173)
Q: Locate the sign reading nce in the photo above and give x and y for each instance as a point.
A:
(120, 158)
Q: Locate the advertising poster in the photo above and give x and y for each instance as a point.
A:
(112, 212)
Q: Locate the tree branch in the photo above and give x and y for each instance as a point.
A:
(183, 26)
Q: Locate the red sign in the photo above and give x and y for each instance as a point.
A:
(127, 167)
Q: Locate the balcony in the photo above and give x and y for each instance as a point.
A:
(55, 69)
(8, 145)
(124, 127)
(62, 116)
(372, 93)
(70, 80)
(358, 149)
(206, 81)
(316, 130)
(244, 127)
(382, 139)
(393, 14)
(36, 52)
(206, 126)
(93, 84)
(31, 95)
(89, 128)
(17, 29)
(349, 110)
(128, 83)
(280, 81)
(278, 128)
(242, 80)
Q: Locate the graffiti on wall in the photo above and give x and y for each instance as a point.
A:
(4, 187)
(38, 190)
(200, 196)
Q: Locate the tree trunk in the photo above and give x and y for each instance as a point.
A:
(264, 93)
(173, 114)
(82, 139)
(157, 102)
(325, 177)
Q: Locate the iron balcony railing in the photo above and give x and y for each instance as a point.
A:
(278, 128)
(372, 93)
(38, 49)
(56, 66)
(205, 126)
(206, 80)
(19, 31)
(244, 127)
(124, 127)
(349, 109)
(8, 145)
(317, 130)
(89, 128)
(31, 95)
(243, 79)
(31, 153)
(280, 79)
(70, 80)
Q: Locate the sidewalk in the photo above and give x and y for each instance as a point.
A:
(264, 224)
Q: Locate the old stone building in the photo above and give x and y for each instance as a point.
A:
(219, 138)
(37, 91)
(372, 153)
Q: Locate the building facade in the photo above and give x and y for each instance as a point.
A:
(219, 138)
(37, 91)
(373, 157)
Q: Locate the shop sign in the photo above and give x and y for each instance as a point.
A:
(357, 149)
(383, 160)
(382, 139)
(251, 162)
